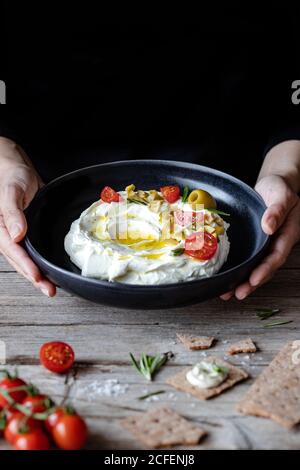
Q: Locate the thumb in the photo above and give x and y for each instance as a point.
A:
(276, 214)
(12, 205)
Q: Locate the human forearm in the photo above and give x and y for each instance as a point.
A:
(284, 160)
(18, 184)
(11, 154)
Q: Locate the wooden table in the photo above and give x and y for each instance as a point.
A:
(103, 336)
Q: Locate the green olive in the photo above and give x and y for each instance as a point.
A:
(199, 196)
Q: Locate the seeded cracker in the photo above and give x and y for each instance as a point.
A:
(275, 394)
(195, 343)
(243, 346)
(180, 382)
(162, 427)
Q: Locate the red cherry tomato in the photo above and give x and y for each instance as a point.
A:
(57, 356)
(170, 193)
(17, 424)
(9, 383)
(70, 432)
(33, 440)
(53, 418)
(108, 194)
(201, 246)
(37, 403)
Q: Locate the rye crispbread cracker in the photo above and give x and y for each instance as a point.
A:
(196, 343)
(180, 382)
(162, 427)
(243, 346)
(275, 394)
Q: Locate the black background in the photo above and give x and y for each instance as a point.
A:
(214, 88)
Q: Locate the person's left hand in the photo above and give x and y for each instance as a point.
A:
(282, 218)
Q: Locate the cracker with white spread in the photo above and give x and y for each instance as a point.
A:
(234, 375)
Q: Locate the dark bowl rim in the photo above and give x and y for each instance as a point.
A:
(124, 286)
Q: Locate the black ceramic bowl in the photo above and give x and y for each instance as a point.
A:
(62, 201)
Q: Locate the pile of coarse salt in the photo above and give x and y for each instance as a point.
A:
(103, 388)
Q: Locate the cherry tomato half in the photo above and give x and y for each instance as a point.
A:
(206, 242)
(9, 383)
(170, 193)
(17, 424)
(57, 356)
(33, 440)
(70, 432)
(108, 194)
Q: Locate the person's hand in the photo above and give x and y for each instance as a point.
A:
(18, 184)
(282, 218)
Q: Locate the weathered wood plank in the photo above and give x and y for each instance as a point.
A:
(103, 336)
(227, 429)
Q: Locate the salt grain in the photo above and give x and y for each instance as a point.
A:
(106, 388)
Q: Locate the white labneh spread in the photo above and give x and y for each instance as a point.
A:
(206, 375)
(126, 242)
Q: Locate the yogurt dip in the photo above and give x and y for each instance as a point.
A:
(206, 374)
(143, 239)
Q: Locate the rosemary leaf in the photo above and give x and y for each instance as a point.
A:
(264, 313)
(277, 323)
(220, 369)
(159, 392)
(216, 211)
(178, 251)
(185, 194)
(134, 363)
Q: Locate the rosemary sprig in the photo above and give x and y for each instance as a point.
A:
(148, 366)
(136, 201)
(159, 392)
(185, 194)
(178, 251)
(216, 211)
(265, 313)
(277, 323)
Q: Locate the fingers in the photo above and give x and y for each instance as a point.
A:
(288, 235)
(20, 261)
(280, 248)
(246, 288)
(227, 295)
(12, 200)
(277, 212)
(272, 218)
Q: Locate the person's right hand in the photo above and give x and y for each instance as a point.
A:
(18, 184)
